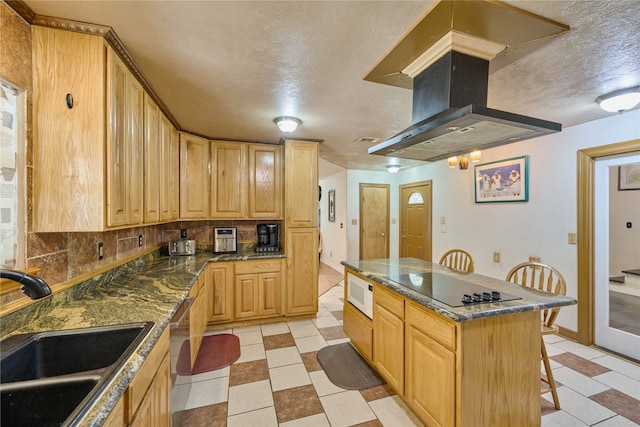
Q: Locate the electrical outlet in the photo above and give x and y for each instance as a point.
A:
(534, 259)
(100, 251)
(496, 257)
(183, 233)
(139, 240)
(573, 238)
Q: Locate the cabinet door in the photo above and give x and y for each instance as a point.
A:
(246, 296)
(302, 270)
(151, 161)
(194, 177)
(301, 184)
(161, 386)
(388, 346)
(269, 294)
(228, 179)
(265, 181)
(165, 130)
(69, 173)
(430, 388)
(220, 291)
(175, 174)
(197, 317)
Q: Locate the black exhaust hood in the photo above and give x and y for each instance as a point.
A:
(450, 114)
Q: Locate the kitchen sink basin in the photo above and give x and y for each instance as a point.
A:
(44, 403)
(50, 378)
(56, 353)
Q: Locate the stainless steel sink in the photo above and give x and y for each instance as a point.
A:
(50, 378)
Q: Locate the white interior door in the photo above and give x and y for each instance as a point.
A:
(608, 332)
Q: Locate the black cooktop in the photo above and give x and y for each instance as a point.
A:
(449, 290)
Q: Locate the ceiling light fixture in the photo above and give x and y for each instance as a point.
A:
(620, 101)
(287, 123)
(452, 161)
(393, 168)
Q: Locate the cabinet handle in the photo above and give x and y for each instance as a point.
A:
(69, 101)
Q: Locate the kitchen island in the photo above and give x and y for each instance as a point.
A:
(470, 365)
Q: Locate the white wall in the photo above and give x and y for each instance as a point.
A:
(538, 227)
(334, 234)
(624, 243)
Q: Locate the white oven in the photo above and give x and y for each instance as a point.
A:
(360, 294)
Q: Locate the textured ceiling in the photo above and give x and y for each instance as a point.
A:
(226, 69)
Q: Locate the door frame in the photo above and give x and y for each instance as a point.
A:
(361, 186)
(586, 233)
(429, 230)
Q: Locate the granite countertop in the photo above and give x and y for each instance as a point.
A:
(532, 300)
(149, 288)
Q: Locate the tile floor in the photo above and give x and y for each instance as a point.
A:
(278, 382)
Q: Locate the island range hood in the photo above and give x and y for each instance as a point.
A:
(446, 59)
(450, 114)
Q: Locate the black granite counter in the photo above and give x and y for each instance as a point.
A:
(150, 288)
(379, 270)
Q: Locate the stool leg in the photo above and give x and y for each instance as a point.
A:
(550, 380)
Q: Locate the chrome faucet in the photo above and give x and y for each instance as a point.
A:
(33, 286)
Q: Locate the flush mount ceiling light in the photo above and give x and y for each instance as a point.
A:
(393, 168)
(287, 123)
(620, 100)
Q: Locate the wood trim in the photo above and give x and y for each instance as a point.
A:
(22, 9)
(7, 285)
(585, 227)
(568, 333)
(59, 287)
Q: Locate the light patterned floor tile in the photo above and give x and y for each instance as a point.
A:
(581, 407)
(323, 384)
(346, 409)
(391, 411)
(561, 419)
(249, 397)
(249, 337)
(249, 353)
(579, 349)
(265, 417)
(289, 376)
(208, 392)
(283, 356)
(274, 328)
(300, 331)
(325, 322)
(617, 421)
(576, 381)
(621, 383)
(312, 343)
(614, 363)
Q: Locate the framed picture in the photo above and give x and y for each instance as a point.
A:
(502, 181)
(629, 177)
(332, 205)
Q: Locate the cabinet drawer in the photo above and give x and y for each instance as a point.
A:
(388, 300)
(432, 325)
(359, 329)
(259, 266)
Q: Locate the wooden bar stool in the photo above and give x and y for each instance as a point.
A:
(547, 279)
(458, 259)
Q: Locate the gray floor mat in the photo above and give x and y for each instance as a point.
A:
(346, 368)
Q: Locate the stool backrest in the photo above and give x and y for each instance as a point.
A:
(457, 259)
(542, 277)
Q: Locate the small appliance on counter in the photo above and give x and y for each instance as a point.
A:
(268, 238)
(182, 247)
(225, 240)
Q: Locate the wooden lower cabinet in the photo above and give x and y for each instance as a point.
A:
(358, 327)
(430, 374)
(197, 316)
(388, 337)
(220, 281)
(154, 410)
(257, 289)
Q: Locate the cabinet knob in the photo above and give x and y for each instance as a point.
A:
(69, 101)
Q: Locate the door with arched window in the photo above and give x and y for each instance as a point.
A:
(415, 220)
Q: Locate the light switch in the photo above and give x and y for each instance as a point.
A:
(393, 220)
(354, 222)
(443, 228)
(496, 257)
(442, 220)
(573, 238)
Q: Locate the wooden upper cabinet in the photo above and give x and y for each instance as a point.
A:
(265, 181)
(228, 179)
(69, 173)
(151, 161)
(166, 165)
(301, 184)
(174, 177)
(194, 177)
(125, 152)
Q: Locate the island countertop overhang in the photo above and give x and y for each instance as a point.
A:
(378, 270)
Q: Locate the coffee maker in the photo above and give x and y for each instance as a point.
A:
(268, 238)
